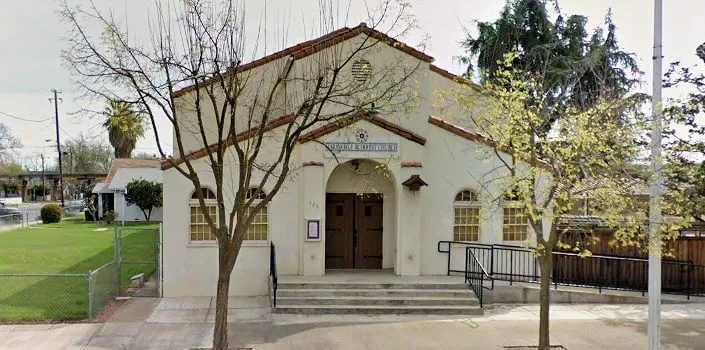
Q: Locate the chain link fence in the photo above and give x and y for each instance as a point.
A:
(102, 284)
(137, 254)
(19, 220)
(56, 296)
(43, 297)
(81, 296)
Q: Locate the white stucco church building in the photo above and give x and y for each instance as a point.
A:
(396, 186)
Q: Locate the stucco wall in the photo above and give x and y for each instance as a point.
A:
(389, 66)
(117, 184)
(129, 213)
(191, 268)
(414, 222)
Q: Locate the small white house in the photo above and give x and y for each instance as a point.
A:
(367, 219)
(111, 192)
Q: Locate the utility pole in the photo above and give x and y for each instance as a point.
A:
(58, 143)
(654, 324)
(44, 190)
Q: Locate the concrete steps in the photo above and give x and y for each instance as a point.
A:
(378, 310)
(371, 285)
(376, 298)
(385, 301)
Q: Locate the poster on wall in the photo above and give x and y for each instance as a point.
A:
(313, 229)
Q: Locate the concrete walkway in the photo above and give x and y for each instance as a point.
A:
(184, 323)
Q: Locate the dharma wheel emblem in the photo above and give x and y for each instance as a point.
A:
(361, 135)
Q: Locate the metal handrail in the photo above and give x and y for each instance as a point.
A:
(273, 273)
(449, 245)
(475, 274)
(519, 264)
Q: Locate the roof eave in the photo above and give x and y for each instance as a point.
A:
(310, 47)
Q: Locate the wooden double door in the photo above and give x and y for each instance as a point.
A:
(354, 231)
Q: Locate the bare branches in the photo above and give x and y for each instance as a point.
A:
(236, 125)
(225, 113)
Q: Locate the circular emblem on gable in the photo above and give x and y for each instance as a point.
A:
(361, 135)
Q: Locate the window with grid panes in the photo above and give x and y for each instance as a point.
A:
(515, 225)
(466, 227)
(198, 226)
(259, 227)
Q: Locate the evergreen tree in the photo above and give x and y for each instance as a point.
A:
(578, 69)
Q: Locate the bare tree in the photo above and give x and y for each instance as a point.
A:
(85, 154)
(8, 143)
(242, 120)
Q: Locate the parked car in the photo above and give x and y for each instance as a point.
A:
(8, 214)
(74, 207)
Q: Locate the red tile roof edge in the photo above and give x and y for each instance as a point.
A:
(121, 163)
(346, 121)
(455, 78)
(310, 47)
(166, 164)
(411, 165)
(476, 137)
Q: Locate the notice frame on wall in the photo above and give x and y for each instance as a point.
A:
(313, 229)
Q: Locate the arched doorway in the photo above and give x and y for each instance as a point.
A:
(360, 223)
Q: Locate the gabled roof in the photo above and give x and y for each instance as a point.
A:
(120, 163)
(123, 176)
(310, 47)
(124, 163)
(326, 129)
(371, 118)
(166, 164)
(476, 137)
(453, 77)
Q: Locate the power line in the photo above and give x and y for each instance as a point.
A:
(24, 119)
(65, 132)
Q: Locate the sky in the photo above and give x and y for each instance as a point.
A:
(32, 37)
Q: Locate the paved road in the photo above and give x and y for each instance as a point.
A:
(30, 210)
(150, 323)
(30, 214)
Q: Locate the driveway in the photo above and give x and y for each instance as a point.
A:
(184, 323)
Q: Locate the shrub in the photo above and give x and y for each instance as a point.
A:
(51, 213)
(110, 216)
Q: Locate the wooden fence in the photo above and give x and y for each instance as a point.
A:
(690, 249)
(612, 266)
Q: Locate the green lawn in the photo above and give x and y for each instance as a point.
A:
(70, 246)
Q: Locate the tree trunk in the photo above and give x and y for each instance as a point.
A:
(149, 215)
(546, 264)
(220, 333)
(146, 218)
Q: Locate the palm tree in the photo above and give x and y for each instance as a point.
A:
(125, 127)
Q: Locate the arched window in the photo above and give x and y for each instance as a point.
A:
(515, 224)
(466, 227)
(258, 228)
(199, 229)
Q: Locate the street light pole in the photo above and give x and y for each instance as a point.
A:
(654, 322)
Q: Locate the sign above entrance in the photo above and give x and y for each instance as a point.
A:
(361, 145)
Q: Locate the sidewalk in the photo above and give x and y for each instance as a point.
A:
(183, 323)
